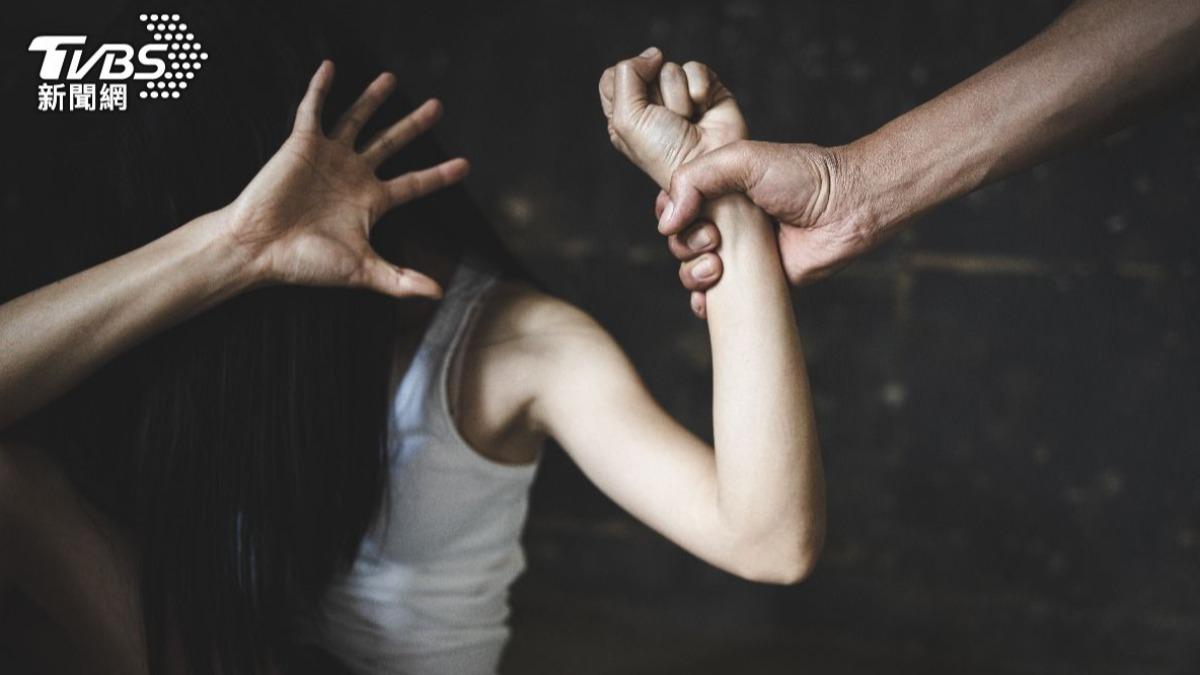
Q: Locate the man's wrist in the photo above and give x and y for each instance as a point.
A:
(866, 192)
(903, 170)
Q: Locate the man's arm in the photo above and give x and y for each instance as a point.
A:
(1100, 62)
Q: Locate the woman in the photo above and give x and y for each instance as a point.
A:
(284, 464)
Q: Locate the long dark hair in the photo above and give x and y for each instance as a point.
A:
(244, 449)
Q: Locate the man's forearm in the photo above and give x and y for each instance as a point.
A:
(1101, 60)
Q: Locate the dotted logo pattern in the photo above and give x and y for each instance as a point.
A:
(184, 58)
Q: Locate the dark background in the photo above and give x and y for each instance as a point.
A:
(1005, 393)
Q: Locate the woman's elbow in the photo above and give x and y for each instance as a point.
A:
(783, 563)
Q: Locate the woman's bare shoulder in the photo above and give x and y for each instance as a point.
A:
(525, 317)
(522, 339)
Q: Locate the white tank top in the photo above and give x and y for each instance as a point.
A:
(428, 594)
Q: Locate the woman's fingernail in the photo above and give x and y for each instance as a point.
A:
(699, 239)
(666, 214)
(650, 51)
(704, 270)
(415, 282)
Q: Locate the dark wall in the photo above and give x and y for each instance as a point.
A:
(1005, 394)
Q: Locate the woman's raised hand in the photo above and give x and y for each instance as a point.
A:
(661, 115)
(306, 217)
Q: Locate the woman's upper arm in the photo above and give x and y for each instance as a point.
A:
(591, 401)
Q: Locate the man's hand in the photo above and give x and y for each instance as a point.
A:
(806, 188)
(833, 204)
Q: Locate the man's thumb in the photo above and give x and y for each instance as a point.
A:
(724, 170)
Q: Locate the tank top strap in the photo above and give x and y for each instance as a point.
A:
(421, 401)
(466, 288)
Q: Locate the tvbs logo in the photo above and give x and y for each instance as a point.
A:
(161, 68)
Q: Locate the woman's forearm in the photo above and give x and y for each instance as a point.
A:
(304, 219)
(770, 484)
(52, 338)
(1096, 63)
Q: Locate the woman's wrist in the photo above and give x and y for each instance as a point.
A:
(228, 266)
(743, 225)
